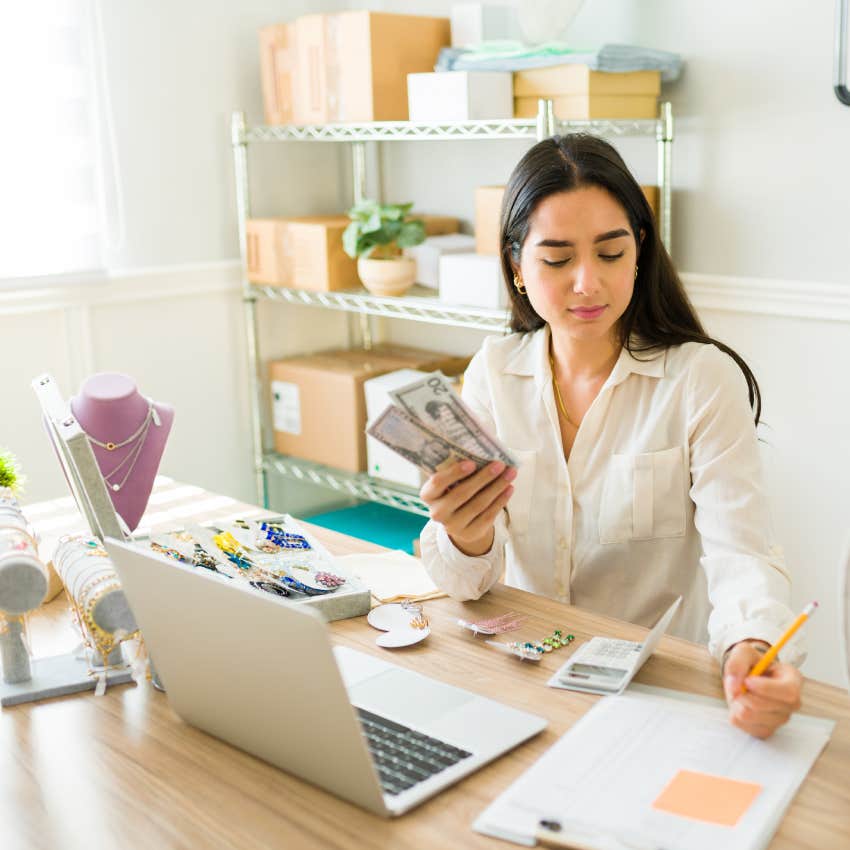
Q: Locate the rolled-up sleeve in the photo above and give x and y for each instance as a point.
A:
(749, 586)
(465, 576)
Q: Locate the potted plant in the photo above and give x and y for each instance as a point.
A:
(376, 236)
(11, 480)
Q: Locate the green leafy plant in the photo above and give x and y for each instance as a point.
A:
(380, 231)
(10, 475)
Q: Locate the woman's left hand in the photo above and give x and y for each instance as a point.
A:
(770, 699)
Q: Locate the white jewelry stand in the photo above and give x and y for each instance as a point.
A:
(67, 674)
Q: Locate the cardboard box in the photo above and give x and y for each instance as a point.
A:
(579, 93)
(427, 255)
(472, 23)
(591, 107)
(382, 462)
(651, 193)
(488, 214)
(277, 69)
(459, 96)
(353, 66)
(438, 225)
(304, 253)
(318, 407)
(472, 280)
(571, 79)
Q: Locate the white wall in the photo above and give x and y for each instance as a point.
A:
(761, 206)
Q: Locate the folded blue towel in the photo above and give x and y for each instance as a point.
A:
(514, 56)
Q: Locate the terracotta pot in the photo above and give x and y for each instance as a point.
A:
(387, 277)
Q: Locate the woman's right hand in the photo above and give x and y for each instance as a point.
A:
(467, 503)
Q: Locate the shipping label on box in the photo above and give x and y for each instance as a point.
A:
(286, 407)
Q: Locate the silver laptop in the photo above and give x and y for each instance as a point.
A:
(262, 675)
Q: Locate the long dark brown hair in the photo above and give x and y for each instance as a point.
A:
(659, 314)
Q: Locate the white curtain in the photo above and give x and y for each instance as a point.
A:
(50, 179)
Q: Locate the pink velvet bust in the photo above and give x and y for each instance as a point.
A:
(128, 433)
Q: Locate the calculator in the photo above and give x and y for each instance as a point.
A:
(606, 665)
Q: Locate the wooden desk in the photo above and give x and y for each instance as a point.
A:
(123, 771)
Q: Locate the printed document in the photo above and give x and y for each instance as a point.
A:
(649, 772)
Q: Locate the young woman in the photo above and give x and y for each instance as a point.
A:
(638, 475)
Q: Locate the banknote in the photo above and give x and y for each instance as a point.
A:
(433, 402)
(409, 438)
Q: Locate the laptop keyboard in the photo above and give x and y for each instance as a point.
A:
(405, 758)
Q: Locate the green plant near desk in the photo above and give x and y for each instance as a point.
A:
(376, 237)
(10, 475)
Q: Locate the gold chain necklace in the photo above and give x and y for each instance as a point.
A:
(558, 393)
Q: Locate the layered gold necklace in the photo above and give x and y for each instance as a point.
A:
(558, 396)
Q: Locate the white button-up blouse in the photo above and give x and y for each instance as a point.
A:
(664, 476)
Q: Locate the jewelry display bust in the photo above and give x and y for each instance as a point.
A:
(127, 433)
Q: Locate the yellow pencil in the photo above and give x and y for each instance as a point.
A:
(767, 659)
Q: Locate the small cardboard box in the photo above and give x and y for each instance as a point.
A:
(472, 280)
(304, 253)
(438, 225)
(318, 407)
(277, 67)
(578, 107)
(571, 79)
(472, 23)
(579, 93)
(459, 96)
(488, 213)
(353, 66)
(427, 255)
(382, 462)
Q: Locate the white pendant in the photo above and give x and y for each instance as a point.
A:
(116, 487)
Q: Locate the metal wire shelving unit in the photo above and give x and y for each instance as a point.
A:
(421, 305)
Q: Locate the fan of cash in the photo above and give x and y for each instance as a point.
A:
(429, 425)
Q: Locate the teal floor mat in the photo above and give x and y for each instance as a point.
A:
(377, 523)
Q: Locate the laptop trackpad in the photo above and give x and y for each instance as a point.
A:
(407, 698)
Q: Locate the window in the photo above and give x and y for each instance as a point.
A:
(50, 212)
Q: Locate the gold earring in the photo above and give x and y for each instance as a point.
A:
(636, 271)
(519, 285)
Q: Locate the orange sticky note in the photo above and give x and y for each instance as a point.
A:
(701, 796)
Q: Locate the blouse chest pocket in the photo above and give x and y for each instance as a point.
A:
(644, 497)
(519, 504)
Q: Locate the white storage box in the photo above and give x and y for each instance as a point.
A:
(381, 462)
(474, 280)
(460, 96)
(427, 255)
(473, 23)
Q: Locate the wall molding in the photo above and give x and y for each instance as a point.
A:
(793, 299)
(126, 286)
